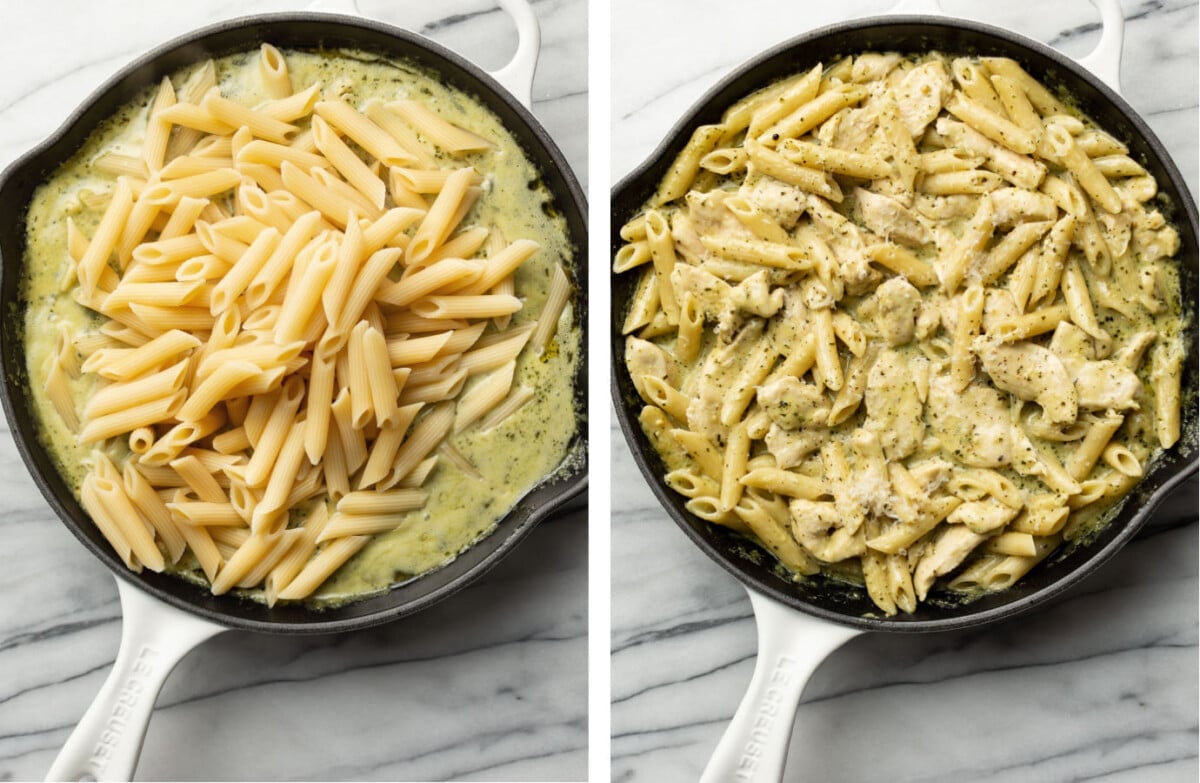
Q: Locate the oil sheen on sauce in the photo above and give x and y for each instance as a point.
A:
(510, 459)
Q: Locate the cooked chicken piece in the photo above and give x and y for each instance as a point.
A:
(794, 404)
(890, 219)
(896, 306)
(789, 448)
(645, 358)
(922, 94)
(973, 425)
(1032, 373)
(782, 202)
(894, 409)
(1106, 385)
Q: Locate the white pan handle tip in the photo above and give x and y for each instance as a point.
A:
(933, 7)
(1105, 59)
(108, 740)
(517, 75)
(791, 646)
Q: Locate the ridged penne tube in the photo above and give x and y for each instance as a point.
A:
(349, 165)
(853, 164)
(90, 498)
(470, 307)
(383, 451)
(966, 327)
(691, 484)
(273, 70)
(235, 115)
(199, 477)
(427, 280)
(733, 466)
(500, 265)
(275, 431)
(353, 443)
(123, 395)
(366, 283)
(270, 515)
(104, 240)
(330, 202)
(217, 387)
(511, 404)
(394, 501)
(437, 130)
(438, 222)
(327, 560)
(358, 381)
(154, 510)
(904, 263)
(275, 267)
(484, 396)
(784, 482)
(808, 115)
(379, 377)
(365, 133)
(1094, 183)
(389, 228)
(407, 351)
(425, 436)
(556, 302)
(1079, 465)
(684, 168)
(206, 513)
(127, 420)
(292, 107)
(303, 297)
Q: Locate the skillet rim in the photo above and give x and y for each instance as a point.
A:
(556, 491)
(738, 82)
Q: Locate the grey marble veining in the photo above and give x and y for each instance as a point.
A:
(1100, 686)
(490, 684)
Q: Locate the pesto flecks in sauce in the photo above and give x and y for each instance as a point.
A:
(508, 460)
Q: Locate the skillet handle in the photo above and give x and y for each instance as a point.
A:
(1105, 59)
(791, 646)
(517, 75)
(154, 637)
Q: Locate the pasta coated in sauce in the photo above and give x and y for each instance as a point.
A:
(911, 321)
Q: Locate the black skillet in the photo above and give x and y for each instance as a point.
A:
(792, 644)
(164, 616)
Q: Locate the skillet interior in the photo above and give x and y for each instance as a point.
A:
(310, 31)
(917, 34)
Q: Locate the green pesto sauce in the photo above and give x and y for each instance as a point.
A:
(511, 458)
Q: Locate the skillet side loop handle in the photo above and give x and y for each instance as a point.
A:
(108, 740)
(791, 646)
(517, 75)
(1105, 60)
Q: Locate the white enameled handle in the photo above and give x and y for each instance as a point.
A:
(108, 740)
(517, 75)
(791, 646)
(1104, 61)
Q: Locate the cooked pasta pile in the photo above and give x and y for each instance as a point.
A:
(905, 320)
(289, 305)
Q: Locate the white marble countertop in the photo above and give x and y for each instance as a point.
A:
(1103, 685)
(490, 684)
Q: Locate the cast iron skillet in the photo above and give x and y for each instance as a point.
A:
(293, 30)
(848, 606)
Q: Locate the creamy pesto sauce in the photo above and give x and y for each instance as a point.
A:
(511, 458)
